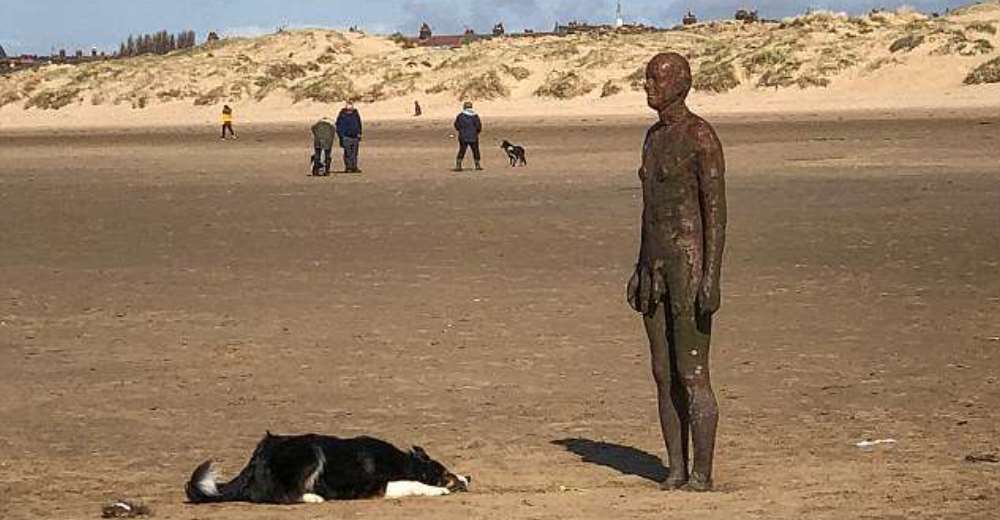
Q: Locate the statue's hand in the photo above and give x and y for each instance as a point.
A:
(709, 299)
(645, 289)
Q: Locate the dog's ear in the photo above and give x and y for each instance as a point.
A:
(420, 454)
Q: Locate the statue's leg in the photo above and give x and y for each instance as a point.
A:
(691, 340)
(674, 432)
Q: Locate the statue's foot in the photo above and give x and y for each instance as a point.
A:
(674, 482)
(699, 484)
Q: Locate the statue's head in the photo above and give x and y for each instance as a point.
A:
(668, 80)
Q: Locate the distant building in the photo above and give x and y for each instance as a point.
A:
(426, 38)
(746, 16)
(619, 19)
(576, 27)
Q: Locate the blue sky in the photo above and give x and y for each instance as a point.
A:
(37, 26)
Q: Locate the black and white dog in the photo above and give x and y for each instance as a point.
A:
(515, 153)
(315, 468)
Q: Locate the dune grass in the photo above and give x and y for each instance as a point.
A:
(985, 73)
(53, 99)
(564, 85)
(610, 88)
(715, 77)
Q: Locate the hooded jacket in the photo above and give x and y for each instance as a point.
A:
(468, 126)
(349, 123)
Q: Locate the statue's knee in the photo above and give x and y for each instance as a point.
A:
(695, 380)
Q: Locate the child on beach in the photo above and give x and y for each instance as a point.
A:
(227, 121)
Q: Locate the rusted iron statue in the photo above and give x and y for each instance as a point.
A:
(676, 281)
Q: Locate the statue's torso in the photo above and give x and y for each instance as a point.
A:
(672, 209)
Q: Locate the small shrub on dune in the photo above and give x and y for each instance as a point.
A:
(976, 47)
(437, 89)
(776, 79)
(907, 43)
(212, 97)
(807, 81)
(982, 27)
(610, 88)
(637, 79)
(329, 88)
(53, 99)
(265, 86)
(564, 85)
(9, 96)
(331, 53)
(831, 62)
(174, 94)
(715, 77)
(561, 51)
(765, 59)
(286, 71)
(486, 86)
(517, 72)
(598, 58)
(988, 72)
(880, 62)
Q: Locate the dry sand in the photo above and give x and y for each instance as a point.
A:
(168, 297)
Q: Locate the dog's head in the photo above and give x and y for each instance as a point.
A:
(505, 144)
(433, 473)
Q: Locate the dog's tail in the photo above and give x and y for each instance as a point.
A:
(203, 487)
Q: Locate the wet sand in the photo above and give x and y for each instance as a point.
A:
(167, 297)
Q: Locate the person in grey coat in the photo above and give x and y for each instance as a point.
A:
(323, 135)
(469, 126)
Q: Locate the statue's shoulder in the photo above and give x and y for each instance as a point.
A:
(704, 133)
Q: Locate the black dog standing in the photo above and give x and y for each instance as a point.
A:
(515, 153)
(676, 280)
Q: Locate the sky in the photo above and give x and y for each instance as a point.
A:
(41, 26)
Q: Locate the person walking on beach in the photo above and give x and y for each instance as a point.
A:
(227, 121)
(349, 132)
(323, 135)
(469, 126)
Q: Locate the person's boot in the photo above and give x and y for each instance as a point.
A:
(458, 165)
(479, 167)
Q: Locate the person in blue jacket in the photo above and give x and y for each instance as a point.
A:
(349, 132)
(468, 126)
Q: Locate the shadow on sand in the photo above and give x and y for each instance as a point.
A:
(626, 460)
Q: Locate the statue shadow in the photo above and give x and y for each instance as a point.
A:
(623, 459)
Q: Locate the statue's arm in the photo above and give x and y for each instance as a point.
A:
(712, 197)
(646, 286)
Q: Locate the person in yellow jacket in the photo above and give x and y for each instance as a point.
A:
(227, 121)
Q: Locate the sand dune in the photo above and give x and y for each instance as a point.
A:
(818, 62)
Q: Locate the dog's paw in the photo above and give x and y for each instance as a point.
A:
(310, 498)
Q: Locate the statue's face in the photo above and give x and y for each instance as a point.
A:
(668, 80)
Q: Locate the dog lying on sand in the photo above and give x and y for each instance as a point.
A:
(316, 468)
